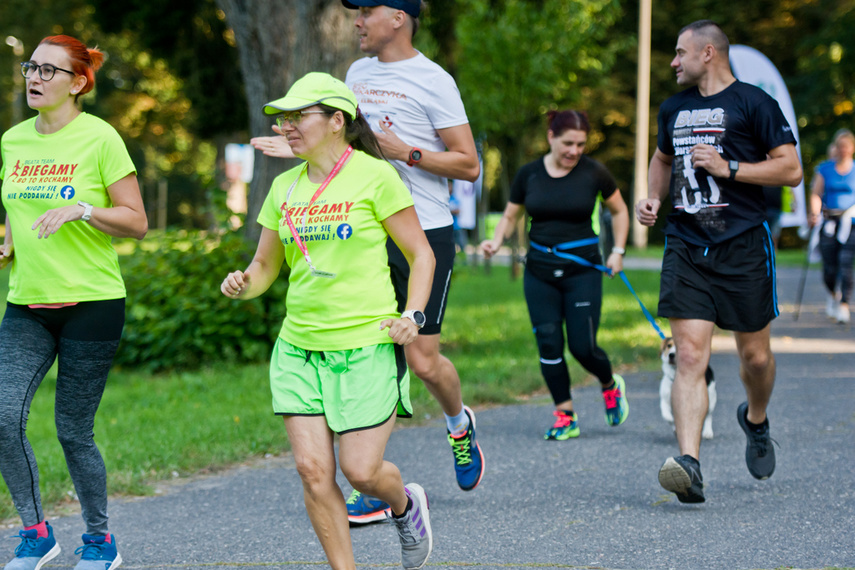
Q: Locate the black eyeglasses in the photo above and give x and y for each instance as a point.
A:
(295, 117)
(46, 70)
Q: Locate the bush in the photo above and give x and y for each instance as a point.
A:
(176, 317)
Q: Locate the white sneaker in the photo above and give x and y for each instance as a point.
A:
(843, 313)
(832, 306)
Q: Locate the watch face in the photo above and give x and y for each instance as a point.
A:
(419, 318)
(416, 155)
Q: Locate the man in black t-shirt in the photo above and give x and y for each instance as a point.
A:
(719, 142)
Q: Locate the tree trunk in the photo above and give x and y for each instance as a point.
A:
(279, 42)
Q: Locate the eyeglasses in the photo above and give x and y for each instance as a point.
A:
(46, 70)
(295, 117)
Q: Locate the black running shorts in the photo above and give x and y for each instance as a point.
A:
(441, 241)
(731, 284)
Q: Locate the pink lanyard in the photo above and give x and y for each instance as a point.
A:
(336, 169)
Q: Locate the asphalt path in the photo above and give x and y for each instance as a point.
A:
(592, 502)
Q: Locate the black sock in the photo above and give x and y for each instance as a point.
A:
(409, 506)
(761, 428)
(693, 460)
(756, 428)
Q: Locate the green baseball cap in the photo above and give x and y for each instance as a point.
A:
(314, 88)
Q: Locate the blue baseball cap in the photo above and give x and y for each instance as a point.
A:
(411, 7)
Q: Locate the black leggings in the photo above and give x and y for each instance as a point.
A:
(576, 300)
(837, 261)
(85, 338)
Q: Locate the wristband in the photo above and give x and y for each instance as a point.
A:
(619, 250)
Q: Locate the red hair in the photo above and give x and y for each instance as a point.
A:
(84, 61)
(560, 121)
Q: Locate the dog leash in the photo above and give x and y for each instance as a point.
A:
(582, 261)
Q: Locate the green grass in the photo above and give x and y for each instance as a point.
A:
(154, 428)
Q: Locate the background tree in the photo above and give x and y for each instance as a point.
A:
(135, 92)
(523, 57)
(195, 43)
(279, 42)
(182, 79)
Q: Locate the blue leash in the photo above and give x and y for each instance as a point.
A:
(582, 261)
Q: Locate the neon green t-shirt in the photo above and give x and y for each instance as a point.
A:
(345, 236)
(41, 172)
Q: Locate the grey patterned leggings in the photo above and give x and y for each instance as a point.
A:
(84, 337)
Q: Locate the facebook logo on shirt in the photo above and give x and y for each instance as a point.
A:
(67, 192)
(344, 231)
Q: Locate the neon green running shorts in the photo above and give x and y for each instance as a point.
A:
(354, 389)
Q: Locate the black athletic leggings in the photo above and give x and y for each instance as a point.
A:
(84, 337)
(576, 300)
(837, 261)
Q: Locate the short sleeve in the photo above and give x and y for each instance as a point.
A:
(771, 125)
(392, 195)
(519, 185)
(447, 111)
(606, 184)
(270, 214)
(663, 140)
(114, 161)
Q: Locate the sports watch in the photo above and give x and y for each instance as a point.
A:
(734, 166)
(417, 317)
(415, 156)
(87, 210)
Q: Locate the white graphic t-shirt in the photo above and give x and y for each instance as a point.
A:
(414, 98)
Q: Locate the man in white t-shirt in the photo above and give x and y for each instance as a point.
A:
(415, 109)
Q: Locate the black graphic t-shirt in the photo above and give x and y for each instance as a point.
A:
(743, 123)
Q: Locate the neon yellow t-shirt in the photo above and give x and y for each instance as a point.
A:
(344, 235)
(41, 172)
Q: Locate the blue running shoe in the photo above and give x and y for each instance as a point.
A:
(617, 406)
(34, 552)
(468, 459)
(98, 554)
(364, 509)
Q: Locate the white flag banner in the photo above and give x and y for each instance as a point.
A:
(751, 66)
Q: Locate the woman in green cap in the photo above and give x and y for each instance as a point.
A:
(338, 364)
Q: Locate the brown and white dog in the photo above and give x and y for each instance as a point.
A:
(668, 354)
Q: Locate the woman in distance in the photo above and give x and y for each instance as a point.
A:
(561, 193)
(833, 198)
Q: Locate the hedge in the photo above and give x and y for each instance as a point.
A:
(176, 317)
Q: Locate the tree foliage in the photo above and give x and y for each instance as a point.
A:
(536, 56)
(182, 78)
(279, 42)
(193, 38)
(136, 92)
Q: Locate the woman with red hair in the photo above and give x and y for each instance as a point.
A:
(68, 186)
